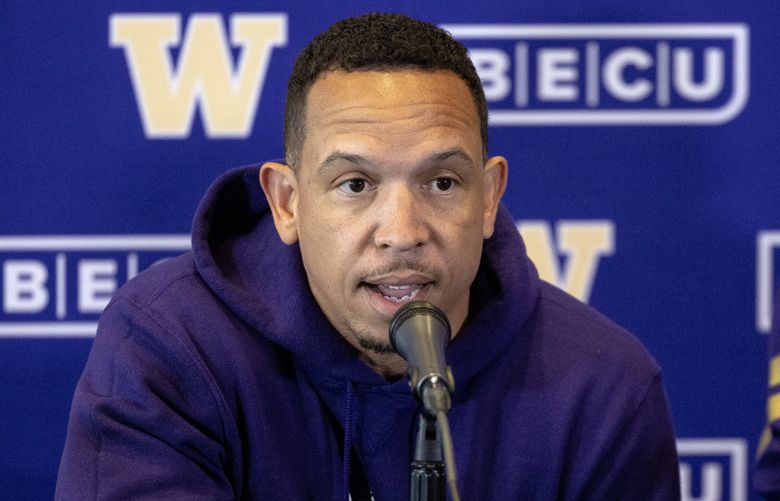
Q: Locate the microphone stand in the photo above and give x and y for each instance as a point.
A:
(428, 474)
(419, 332)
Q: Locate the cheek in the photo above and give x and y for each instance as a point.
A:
(464, 238)
(325, 247)
(314, 220)
(466, 217)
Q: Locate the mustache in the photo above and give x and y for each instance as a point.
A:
(395, 266)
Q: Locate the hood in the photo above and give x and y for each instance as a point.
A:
(262, 280)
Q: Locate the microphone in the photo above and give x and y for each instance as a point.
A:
(419, 332)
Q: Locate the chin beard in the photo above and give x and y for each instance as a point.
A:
(380, 347)
(370, 343)
(378, 354)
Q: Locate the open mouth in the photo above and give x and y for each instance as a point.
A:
(397, 293)
(388, 298)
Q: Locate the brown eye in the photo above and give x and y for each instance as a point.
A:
(353, 186)
(356, 185)
(443, 183)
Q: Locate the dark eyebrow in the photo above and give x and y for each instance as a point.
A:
(336, 157)
(340, 156)
(454, 153)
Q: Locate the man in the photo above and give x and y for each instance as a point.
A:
(766, 479)
(259, 369)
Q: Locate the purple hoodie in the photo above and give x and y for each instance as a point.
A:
(215, 375)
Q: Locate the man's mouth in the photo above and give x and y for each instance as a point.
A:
(400, 293)
(388, 294)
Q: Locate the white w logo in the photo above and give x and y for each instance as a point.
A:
(227, 96)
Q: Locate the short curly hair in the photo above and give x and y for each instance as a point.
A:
(371, 42)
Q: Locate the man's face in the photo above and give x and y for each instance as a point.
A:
(391, 200)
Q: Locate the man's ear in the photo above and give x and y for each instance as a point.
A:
(495, 174)
(281, 190)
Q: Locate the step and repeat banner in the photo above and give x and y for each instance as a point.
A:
(644, 147)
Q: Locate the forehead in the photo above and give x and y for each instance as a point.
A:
(391, 107)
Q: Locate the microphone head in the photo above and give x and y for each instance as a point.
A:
(414, 308)
(419, 332)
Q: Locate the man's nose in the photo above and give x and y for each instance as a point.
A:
(401, 222)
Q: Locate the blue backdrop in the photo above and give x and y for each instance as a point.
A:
(643, 146)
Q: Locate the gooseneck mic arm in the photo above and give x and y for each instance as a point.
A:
(419, 332)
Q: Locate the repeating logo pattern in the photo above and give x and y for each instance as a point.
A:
(57, 286)
(204, 75)
(610, 74)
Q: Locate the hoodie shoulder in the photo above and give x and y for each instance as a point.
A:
(144, 288)
(590, 342)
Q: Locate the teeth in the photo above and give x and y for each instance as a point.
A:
(403, 299)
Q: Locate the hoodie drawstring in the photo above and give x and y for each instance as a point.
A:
(346, 466)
